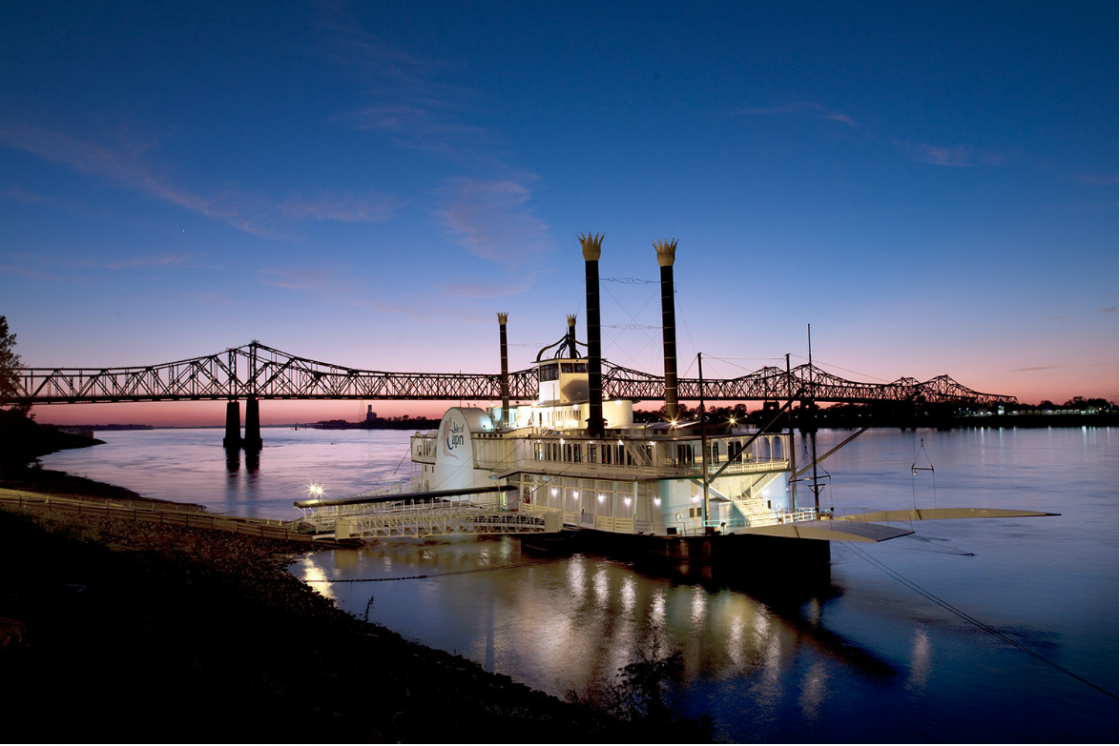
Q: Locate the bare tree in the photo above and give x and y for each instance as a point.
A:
(9, 365)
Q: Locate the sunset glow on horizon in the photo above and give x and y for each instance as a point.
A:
(933, 190)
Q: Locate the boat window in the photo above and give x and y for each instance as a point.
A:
(549, 372)
(579, 367)
(565, 367)
(591, 453)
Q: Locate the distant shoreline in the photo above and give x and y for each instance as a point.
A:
(1103, 419)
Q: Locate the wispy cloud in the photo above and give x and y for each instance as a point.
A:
(1108, 309)
(64, 261)
(1094, 179)
(15, 194)
(127, 166)
(336, 288)
(416, 313)
(800, 107)
(492, 219)
(371, 208)
(1036, 368)
(953, 156)
(124, 167)
(485, 289)
(207, 298)
(409, 95)
(15, 270)
(153, 260)
(308, 279)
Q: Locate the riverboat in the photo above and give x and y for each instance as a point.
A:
(679, 489)
(575, 464)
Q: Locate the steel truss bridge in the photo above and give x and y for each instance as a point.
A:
(256, 371)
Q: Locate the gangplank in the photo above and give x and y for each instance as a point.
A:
(421, 515)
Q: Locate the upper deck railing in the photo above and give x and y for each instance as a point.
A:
(256, 370)
(766, 454)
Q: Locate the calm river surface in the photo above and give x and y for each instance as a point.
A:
(861, 657)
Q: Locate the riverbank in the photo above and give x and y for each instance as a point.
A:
(124, 631)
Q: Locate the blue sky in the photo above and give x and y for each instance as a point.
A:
(933, 188)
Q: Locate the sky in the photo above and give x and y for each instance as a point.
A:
(932, 187)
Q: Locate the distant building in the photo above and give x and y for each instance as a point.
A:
(371, 416)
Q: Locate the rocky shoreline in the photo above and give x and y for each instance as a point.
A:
(115, 630)
(129, 632)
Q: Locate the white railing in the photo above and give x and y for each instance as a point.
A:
(401, 520)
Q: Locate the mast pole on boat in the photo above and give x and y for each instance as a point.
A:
(813, 429)
(703, 437)
(792, 467)
(503, 317)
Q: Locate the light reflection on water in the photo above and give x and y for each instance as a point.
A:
(857, 657)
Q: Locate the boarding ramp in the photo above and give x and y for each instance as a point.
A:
(421, 515)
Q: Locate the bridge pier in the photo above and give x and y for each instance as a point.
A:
(233, 425)
(252, 441)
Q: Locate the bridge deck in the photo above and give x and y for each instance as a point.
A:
(261, 372)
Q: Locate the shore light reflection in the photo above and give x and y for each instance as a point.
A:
(316, 576)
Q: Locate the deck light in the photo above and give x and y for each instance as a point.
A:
(601, 498)
(626, 500)
(575, 494)
(554, 492)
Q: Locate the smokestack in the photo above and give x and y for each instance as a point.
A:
(502, 318)
(572, 353)
(592, 247)
(666, 253)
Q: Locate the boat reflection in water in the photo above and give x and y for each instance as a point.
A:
(566, 625)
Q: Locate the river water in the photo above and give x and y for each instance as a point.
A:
(975, 630)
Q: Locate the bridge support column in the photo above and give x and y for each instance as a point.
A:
(233, 425)
(252, 441)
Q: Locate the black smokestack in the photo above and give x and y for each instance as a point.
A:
(592, 247)
(572, 352)
(666, 253)
(503, 317)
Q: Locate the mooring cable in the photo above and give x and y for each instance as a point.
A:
(973, 620)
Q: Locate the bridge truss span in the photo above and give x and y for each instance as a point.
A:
(803, 382)
(258, 371)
